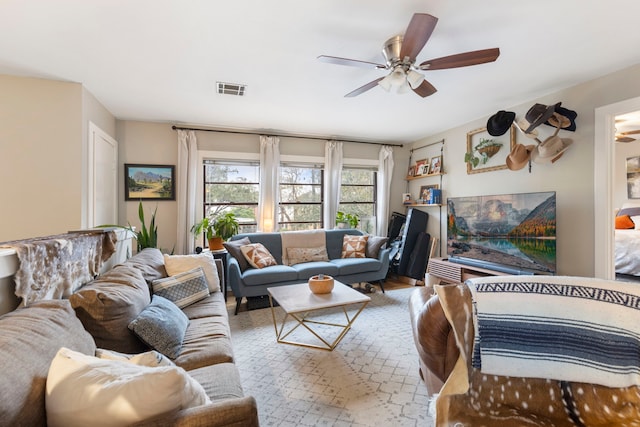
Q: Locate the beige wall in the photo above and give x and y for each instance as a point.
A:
(43, 135)
(571, 176)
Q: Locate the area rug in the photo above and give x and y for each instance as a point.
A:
(370, 379)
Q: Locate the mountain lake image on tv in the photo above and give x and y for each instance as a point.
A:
(514, 233)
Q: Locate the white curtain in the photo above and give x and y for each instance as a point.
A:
(332, 181)
(385, 172)
(186, 188)
(269, 165)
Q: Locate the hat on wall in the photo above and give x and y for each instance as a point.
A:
(500, 122)
(523, 124)
(564, 117)
(539, 114)
(550, 149)
(519, 156)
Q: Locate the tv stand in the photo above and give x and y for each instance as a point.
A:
(453, 272)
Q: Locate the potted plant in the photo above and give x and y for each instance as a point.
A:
(217, 228)
(146, 237)
(486, 149)
(344, 219)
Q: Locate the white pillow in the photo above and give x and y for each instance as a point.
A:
(176, 264)
(636, 221)
(150, 358)
(83, 390)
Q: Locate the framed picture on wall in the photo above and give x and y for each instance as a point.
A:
(633, 177)
(149, 182)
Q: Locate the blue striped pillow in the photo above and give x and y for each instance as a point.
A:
(183, 289)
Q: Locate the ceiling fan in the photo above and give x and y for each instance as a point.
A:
(400, 56)
(622, 136)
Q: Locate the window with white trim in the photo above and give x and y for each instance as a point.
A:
(300, 203)
(358, 192)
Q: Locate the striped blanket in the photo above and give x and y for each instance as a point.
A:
(563, 328)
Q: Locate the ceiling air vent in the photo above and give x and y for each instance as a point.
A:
(231, 88)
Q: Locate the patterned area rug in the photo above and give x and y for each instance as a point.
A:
(370, 379)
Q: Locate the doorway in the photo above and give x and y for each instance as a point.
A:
(604, 161)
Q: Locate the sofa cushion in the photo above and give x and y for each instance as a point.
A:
(220, 381)
(299, 255)
(213, 305)
(206, 342)
(354, 246)
(161, 325)
(85, 390)
(374, 244)
(272, 274)
(30, 337)
(183, 289)
(233, 247)
(348, 266)
(150, 262)
(257, 255)
(108, 304)
(176, 264)
(148, 358)
(308, 269)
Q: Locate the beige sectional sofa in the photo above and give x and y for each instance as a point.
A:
(97, 316)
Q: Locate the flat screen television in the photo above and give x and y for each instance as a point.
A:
(511, 233)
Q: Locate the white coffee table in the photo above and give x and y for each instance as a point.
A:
(298, 302)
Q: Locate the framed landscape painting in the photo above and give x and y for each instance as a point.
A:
(149, 182)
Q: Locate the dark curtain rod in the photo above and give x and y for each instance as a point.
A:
(282, 136)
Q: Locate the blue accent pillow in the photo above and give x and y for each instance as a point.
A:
(161, 325)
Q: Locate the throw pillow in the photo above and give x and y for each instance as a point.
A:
(176, 264)
(233, 247)
(149, 358)
(624, 222)
(299, 255)
(374, 244)
(83, 390)
(354, 246)
(636, 221)
(257, 255)
(183, 289)
(161, 325)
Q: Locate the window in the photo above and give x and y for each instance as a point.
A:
(300, 206)
(358, 196)
(232, 186)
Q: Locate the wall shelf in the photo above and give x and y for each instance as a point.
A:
(411, 178)
(422, 204)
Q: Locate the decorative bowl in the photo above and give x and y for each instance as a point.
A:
(321, 284)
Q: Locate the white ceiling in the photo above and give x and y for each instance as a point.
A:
(159, 60)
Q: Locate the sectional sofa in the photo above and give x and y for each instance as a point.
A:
(45, 347)
(298, 255)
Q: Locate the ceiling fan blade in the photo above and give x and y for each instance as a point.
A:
(474, 57)
(418, 32)
(624, 139)
(350, 62)
(630, 132)
(364, 88)
(425, 89)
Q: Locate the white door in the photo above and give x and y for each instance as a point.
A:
(103, 181)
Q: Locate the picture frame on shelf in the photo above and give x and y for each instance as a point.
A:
(422, 167)
(149, 182)
(497, 161)
(436, 165)
(406, 199)
(411, 171)
(425, 194)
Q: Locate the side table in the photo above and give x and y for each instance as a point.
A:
(221, 254)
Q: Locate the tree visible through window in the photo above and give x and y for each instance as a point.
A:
(232, 187)
(358, 196)
(300, 206)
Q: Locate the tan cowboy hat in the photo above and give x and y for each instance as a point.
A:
(523, 124)
(519, 156)
(550, 149)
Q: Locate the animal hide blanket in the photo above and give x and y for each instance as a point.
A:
(54, 267)
(471, 398)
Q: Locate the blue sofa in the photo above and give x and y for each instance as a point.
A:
(253, 282)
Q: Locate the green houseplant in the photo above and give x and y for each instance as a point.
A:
(146, 237)
(344, 219)
(482, 152)
(217, 229)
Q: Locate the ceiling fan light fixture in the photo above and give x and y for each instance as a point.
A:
(403, 88)
(385, 83)
(414, 78)
(398, 76)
